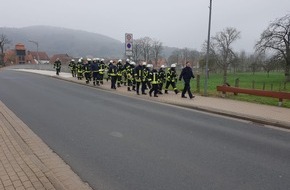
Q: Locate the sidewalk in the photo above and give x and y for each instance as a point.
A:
(26, 162)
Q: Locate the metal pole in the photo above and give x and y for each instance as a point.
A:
(37, 53)
(207, 52)
(36, 43)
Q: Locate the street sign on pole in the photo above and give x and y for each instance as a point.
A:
(129, 44)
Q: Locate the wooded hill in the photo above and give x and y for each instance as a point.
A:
(76, 43)
(56, 40)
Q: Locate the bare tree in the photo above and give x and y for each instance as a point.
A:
(194, 56)
(212, 66)
(277, 38)
(222, 50)
(269, 65)
(185, 53)
(255, 62)
(3, 41)
(137, 50)
(156, 50)
(242, 61)
(146, 44)
(175, 57)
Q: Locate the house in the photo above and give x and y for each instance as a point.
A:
(64, 58)
(16, 56)
(35, 57)
(19, 55)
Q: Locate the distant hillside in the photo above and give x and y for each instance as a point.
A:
(76, 43)
(55, 40)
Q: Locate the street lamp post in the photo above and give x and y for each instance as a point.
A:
(36, 43)
(207, 52)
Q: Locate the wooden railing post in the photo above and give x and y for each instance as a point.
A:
(264, 85)
(197, 83)
(237, 84)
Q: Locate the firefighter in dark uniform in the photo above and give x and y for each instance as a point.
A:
(162, 78)
(147, 71)
(90, 66)
(186, 74)
(119, 73)
(154, 76)
(57, 66)
(130, 75)
(112, 72)
(108, 67)
(72, 65)
(87, 70)
(80, 67)
(140, 78)
(133, 64)
(125, 68)
(171, 78)
(102, 67)
(95, 71)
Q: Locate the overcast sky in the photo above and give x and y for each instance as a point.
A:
(176, 23)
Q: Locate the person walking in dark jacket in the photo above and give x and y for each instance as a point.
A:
(186, 74)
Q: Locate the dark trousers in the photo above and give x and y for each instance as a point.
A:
(57, 71)
(143, 87)
(160, 86)
(186, 89)
(173, 84)
(119, 80)
(73, 73)
(168, 83)
(113, 82)
(95, 76)
(87, 76)
(101, 78)
(154, 88)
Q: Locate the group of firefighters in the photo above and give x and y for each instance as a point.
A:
(130, 74)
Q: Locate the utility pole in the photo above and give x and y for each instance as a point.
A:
(36, 43)
(207, 52)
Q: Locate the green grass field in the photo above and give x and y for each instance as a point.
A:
(274, 82)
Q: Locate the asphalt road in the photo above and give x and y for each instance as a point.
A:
(121, 143)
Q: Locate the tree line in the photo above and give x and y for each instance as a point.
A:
(272, 51)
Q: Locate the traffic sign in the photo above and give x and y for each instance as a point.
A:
(128, 37)
(129, 44)
(129, 53)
